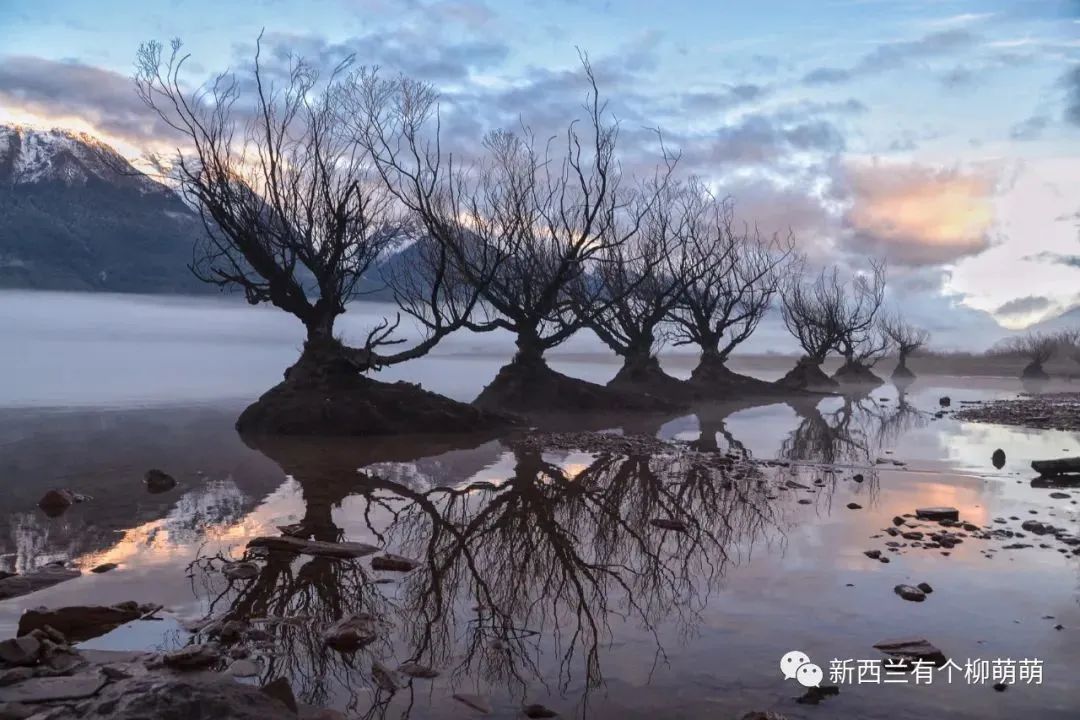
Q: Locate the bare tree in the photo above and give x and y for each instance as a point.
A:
(636, 285)
(1068, 342)
(1036, 347)
(523, 227)
(907, 339)
(737, 272)
(294, 212)
(861, 338)
(809, 311)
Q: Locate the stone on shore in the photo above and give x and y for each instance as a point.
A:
(911, 648)
(351, 633)
(158, 481)
(910, 592)
(192, 657)
(240, 570)
(55, 502)
(20, 651)
(416, 670)
(341, 550)
(51, 689)
(81, 622)
(937, 513)
(394, 563)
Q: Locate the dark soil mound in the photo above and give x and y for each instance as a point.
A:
(533, 387)
(807, 375)
(853, 373)
(649, 378)
(1034, 371)
(902, 373)
(324, 395)
(712, 380)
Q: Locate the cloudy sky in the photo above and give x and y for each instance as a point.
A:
(943, 135)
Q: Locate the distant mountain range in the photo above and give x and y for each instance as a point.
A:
(75, 215)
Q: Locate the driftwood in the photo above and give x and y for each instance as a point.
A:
(1050, 468)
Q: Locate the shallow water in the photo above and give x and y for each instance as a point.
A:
(542, 578)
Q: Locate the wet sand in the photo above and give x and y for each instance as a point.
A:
(584, 605)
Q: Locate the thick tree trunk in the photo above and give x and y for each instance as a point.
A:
(641, 372)
(528, 385)
(807, 375)
(902, 372)
(713, 380)
(852, 372)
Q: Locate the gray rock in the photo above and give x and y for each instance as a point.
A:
(20, 651)
(854, 506)
(945, 401)
(537, 710)
(910, 592)
(925, 587)
(351, 633)
(55, 502)
(18, 585)
(281, 690)
(342, 550)
(998, 458)
(16, 711)
(158, 481)
(192, 657)
(417, 670)
(393, 563)
(243, 668)
(49, 689)
(16, 675)
(240, 570)
(385, 678)
(937, 513)
(911, 648)
(872, 554)
(79, 622)
(104, 568)
(172, 697)
(478, 703)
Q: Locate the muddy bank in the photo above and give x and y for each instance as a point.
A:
(1052, 411)
(530, 386)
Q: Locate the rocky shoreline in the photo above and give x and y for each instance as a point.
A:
(1052, 411)
(43, 677)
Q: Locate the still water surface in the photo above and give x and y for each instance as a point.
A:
(542, 579)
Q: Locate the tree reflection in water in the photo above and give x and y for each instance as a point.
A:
(856, 435)
(520, 580)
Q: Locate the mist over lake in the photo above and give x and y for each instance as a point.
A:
(110, 349)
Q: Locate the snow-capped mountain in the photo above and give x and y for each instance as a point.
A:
(72, 158)
(75, 215)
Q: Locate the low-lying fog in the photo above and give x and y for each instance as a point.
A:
(100, 349)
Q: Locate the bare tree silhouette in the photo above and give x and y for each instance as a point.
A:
(907, 339)
(524, 227)
(295, 215)
(737, 272)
